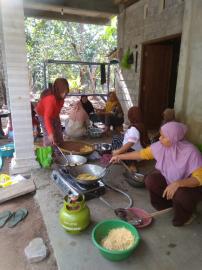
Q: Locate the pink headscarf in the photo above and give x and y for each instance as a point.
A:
(179, 160)
(78, 113)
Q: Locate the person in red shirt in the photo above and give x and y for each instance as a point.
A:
(48, 110)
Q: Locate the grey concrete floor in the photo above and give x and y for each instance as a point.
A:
(162, 246)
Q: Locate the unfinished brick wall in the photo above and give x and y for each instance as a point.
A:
(145, 21)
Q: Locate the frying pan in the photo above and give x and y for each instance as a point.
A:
(94, 170)
(76, 147)
(139, 217)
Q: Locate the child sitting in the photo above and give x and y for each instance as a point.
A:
(134, 139)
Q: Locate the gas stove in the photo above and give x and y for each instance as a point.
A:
(67, 185)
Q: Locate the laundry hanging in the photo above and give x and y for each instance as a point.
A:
(103, 74)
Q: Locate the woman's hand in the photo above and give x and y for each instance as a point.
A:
(115, 159)
(51, 138)
(115, 152)
(170, 190)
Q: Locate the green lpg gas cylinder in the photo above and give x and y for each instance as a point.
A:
(74, 215)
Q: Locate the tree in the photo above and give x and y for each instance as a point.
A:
(50, 39)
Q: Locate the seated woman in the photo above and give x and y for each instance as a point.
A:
(112, 115)
(134, 139)
(168, 116)
(87, 105)
(178, 179)
(76, 125)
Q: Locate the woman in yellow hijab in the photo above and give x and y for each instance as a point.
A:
(111, 103)
(112, 115)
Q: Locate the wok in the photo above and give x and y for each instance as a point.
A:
(77, 147)
(71, 160)
(94, 170)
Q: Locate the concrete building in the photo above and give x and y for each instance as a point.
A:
(164, 36)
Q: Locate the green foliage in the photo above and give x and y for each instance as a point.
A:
(51, 39)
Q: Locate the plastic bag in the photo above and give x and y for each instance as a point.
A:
(44, 156)
(7, 180)
(127, 59)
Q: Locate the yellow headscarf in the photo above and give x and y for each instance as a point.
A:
(112, 102)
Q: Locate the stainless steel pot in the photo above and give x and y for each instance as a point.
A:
(103, 148)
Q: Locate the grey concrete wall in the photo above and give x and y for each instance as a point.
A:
(15, 63)
(145, 21)
(2, 77)
(188, 102)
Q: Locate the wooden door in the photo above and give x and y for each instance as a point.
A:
(156, 72)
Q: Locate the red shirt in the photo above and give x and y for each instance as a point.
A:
(49, 108)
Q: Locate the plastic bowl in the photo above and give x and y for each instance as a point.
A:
(103, 148)
(7, 150)
(102, 229)
(95, 132)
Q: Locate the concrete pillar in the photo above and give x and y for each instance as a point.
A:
(188, 92)
(16, 71)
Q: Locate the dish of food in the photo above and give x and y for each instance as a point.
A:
(86, 176)
(118, 239)
(86, 148)
(77, 147)
(75, 164)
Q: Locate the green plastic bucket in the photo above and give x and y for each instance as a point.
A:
(102, 229)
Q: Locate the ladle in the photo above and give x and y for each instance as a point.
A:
(63, 155)
(140, 220)
(104, 170)
(136, 177)
(128, 216)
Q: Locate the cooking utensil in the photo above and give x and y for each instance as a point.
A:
(77, 147)
(73, 160)
(95, 132)
(63, 155)
(103, 148)
(134, 179)
(105, 170)
(143, 218)
(94, 170)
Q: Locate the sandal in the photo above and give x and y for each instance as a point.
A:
(4, 217)
(17, 216)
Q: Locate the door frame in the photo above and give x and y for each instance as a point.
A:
(148, 42)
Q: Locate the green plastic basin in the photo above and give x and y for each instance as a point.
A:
(102, 229)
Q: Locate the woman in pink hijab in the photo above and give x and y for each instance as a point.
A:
(77, 122)
(177, 180)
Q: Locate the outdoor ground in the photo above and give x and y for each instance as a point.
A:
(162, 246)
(13, 241)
